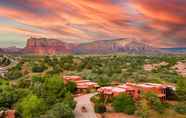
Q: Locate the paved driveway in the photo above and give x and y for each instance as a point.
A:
(84, 101)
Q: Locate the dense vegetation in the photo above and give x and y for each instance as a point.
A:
(124, 103)
(106, 70)
(41, 97)
(35, 89)
(4, 61)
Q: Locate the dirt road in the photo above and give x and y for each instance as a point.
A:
(84, 101)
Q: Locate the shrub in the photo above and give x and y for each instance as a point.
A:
(71, 86)
(96, 98)
(143, 108)
(155, 102)
(51, 90)
(14, 74)
(31, 106)
(38, 79)
(181, 89)
(8, 97)
(99, 104)
(18, 66)
(56, 69)
(181, 108)
(59, 110)
(38, 68)
(104, 80)
(124, 103)
(69, 100)
(23, 83)
(100, 108)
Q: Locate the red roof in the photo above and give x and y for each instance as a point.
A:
(82, 81)
(111, 90)
(72, 78)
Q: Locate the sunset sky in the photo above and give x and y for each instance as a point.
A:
(160, 23)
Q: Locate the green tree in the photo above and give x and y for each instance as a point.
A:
(38, 68)
(155, 102)
(59, 110)
(8, 97)
(181, 89)
(71, 86)
(67, 66)
(100, 108)
(57, 69)
(143, 108)
(52, 89)
(104, 80)
(18, 66)
(14, 74)
(69, 100)
(124, 103)
(23, 83)
(48, 60)
(181, 108)
(31, 106)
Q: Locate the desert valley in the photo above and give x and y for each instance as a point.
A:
(92, 58)
(119, 85)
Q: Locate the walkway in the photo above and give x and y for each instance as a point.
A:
(84, 101)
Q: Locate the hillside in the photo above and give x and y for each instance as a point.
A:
(119, 45)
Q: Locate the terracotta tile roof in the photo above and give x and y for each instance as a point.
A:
(81, 84)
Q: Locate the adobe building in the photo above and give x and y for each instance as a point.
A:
(109, 91)
(71, 78)
(134, 90)
(10, 114)
(82, 85)
(158, 89)
(7, 114)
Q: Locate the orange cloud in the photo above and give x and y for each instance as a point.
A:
(68, 16)
(173, 11)
(87, 20)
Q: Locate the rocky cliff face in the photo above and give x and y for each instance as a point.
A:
(43, 46)
(119, 45)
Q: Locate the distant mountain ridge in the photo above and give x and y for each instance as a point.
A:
(1, 51)
(12, 50)
(45, 46)
(118, 45)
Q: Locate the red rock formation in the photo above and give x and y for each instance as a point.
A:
(118, 45)
(42, 46)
